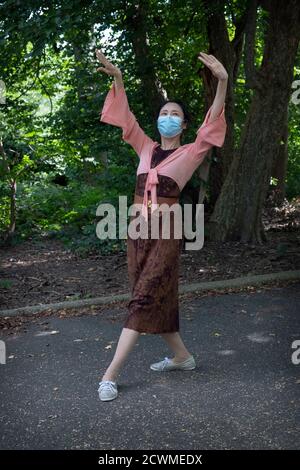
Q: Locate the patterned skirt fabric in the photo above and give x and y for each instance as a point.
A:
(153, 266)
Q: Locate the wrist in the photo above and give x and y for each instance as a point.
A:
(118, 81)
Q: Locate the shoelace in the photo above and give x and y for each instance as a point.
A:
(108, 385)
(165, 362)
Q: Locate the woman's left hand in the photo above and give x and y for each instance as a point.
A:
(216, 68)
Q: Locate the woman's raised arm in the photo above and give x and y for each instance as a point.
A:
(116, 110)
(110, 69)
(219, 71)
(213, 129)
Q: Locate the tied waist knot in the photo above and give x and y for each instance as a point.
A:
(151, 182)
(152, 177)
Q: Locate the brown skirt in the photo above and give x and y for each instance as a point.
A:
(153, 266)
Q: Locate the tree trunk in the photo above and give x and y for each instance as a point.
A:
(279, 169)
(13, 212)
(238, 211)
(136, 30)
(80, 78)
(216, 164)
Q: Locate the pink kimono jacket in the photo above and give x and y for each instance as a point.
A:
(180, 164)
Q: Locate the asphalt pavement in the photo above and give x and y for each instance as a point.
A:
(244, 393)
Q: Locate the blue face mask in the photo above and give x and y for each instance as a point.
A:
(169, 126)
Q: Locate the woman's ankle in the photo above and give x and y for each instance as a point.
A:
(108, 377)
(181, 358)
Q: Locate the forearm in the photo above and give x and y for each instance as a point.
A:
(219, 99)
(119, 81)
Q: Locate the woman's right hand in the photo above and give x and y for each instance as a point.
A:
(109, 68)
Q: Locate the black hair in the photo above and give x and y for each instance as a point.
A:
(186, 113)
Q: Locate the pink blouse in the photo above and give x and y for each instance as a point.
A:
(180, 164)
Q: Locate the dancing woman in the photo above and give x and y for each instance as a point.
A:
(164, 169)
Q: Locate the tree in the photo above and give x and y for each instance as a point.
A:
(238, 211)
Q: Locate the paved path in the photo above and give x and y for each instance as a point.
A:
(244, 394)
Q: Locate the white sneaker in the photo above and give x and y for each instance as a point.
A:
(108, 390)
(168, 364)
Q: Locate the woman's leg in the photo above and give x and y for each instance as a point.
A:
(127, 340)
(176, 345)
